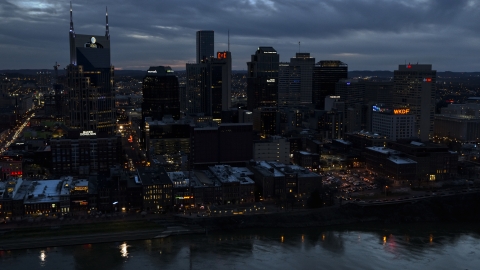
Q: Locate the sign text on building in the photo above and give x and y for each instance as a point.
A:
(401, 111)
(88, 133)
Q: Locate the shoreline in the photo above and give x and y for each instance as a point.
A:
(439, 210)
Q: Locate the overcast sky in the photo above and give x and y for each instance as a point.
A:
(365, 34)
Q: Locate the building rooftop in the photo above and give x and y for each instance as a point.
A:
(266, 50)
(343, 141)
(46, 191)
(383, 150)
(269, 167)
(369, 134)
(153, 176)
(401, 160)
(228, 174)
(184, 179)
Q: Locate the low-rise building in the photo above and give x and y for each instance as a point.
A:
(276, 180)
(237, 186)
(390, 163)
(157, 189)
(45, 197)
(308, 160)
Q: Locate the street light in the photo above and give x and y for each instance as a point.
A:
(386, 191)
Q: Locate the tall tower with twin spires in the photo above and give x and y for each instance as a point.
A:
(90, 82)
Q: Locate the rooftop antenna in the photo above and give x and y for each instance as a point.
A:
(56, 70)
(71, 19)
(299, 46)
(107, 31)
(228, 39)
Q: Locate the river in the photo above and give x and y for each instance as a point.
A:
(370, 246)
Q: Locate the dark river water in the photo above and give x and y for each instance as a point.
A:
(409, 246)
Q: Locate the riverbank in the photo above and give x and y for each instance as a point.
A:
(448, 209)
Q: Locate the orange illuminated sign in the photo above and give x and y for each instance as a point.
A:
(401, 111)
(222, 55)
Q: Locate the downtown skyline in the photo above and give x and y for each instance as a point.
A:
(367, 35)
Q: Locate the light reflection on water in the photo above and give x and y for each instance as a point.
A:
(268, 249)
(42, 257)
(124, 250)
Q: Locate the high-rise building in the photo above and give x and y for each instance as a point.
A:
(221, 83)
(262, 78)
(208, 85)
(325, 75)
(295, 81)
(90, 82)
(205, 45)
(414, 89)
(230, 143)
(305, 63)
(288, 85)
(160, 94)
(197, 91)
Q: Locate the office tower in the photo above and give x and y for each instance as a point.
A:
(352, 92)
(414, 89)
(221, 83)
(266, 121)
(90, 82)
(376, 93)
(209, 84)
(160, 94)
(168, 143)
(288, 85)
(197, 88)
(305, 64)
(295, 81)
(262, 78)
(205, 45)
(325, 75)
(395, 124)
(230, 143)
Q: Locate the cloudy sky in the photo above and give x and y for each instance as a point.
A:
(365, 34)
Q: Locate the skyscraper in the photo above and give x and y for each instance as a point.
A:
(325, 75)
(160, 94)
(295, 81)
(305, 63)
(205, 45)
(221, 83)
(288, 85)
(262, 78)
(90, 82)
(414, 89)
(209, 85)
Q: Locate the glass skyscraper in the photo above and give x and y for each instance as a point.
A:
(325, 75)
(205, 45)
(90, 82)
(160, 94)
(414, 89)
(262, 78)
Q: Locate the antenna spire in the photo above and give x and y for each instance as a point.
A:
(228, 39)
(71, 19)
(107, 30)
(299, 46)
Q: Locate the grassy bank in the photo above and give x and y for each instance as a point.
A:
(79, 229)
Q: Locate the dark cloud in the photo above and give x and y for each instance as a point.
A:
(366, 34)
